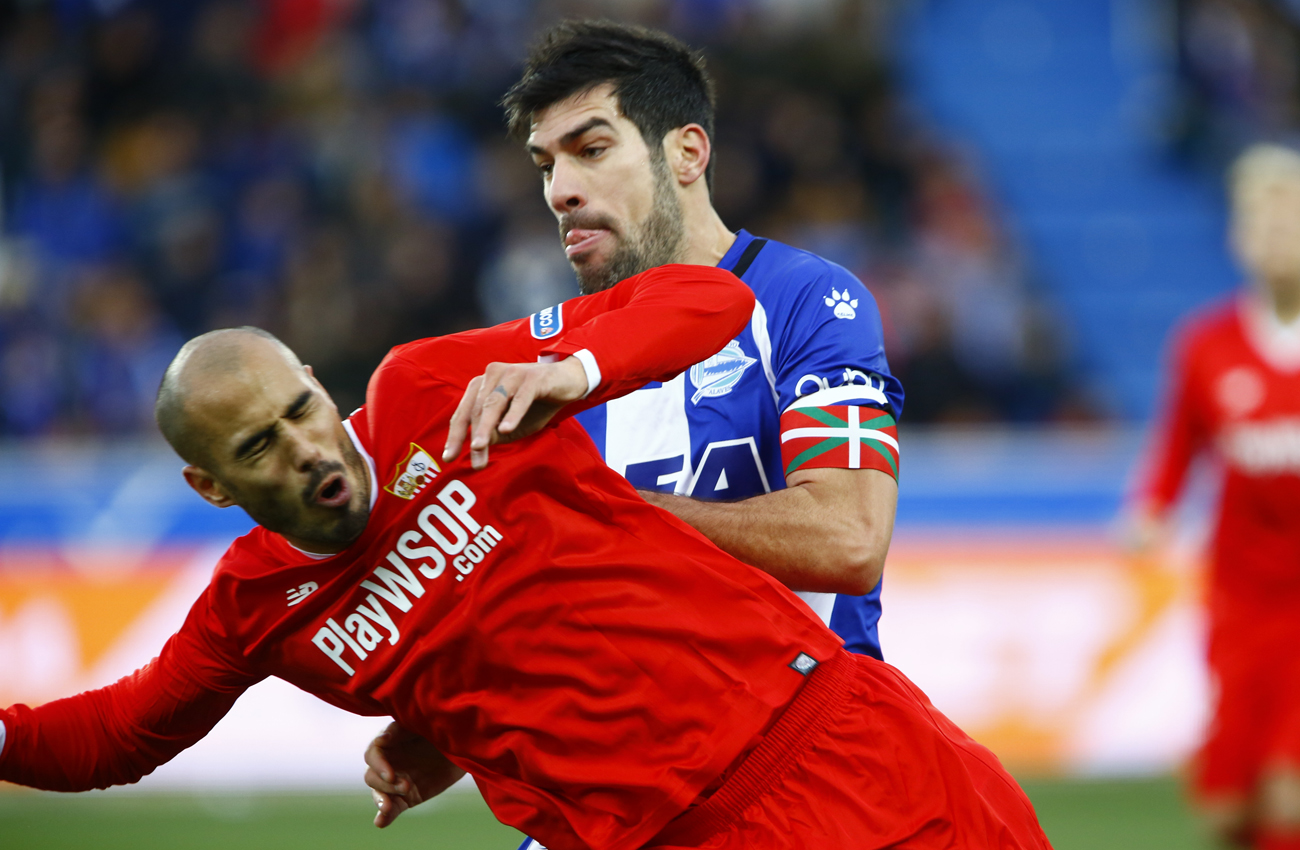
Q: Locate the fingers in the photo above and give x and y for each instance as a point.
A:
(389, 808)
(391, 783)
(376, 757)
(377, 761)
(459, 426)
(486, 416)
(519, 406)
(495, 403)
(501, 383)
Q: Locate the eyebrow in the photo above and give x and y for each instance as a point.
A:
(295, 407)
(574, 134)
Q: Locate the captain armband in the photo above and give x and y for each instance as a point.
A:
(839, 437)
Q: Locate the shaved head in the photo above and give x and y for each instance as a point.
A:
(202, 359)
(259, 431)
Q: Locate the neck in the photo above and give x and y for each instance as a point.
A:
(314, 547)
(706, 239)
(1283, 297)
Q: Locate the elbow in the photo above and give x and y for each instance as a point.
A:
(859, 566)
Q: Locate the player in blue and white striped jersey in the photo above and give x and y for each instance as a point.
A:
(716, 432)
(781, 448)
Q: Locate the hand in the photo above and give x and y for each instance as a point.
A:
(509, 401)
(1142, 533)
(404, 770)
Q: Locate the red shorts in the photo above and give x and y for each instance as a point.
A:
(861, 760)
(1255, 664)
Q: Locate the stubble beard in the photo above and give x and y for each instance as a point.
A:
(658, 243)
(290, 520)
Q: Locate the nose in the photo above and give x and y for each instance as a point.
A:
(565, 193)
(304, 451)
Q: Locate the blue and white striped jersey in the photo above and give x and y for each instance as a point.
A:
(715, 431)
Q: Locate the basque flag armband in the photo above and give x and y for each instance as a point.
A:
(839, 437)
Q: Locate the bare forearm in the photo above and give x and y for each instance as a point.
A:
(828, 536)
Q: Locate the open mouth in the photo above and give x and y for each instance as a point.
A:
(333, 492)
(580, 241)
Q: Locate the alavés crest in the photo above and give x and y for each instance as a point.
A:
(720, 373)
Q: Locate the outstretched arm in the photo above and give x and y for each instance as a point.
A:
(113, 735)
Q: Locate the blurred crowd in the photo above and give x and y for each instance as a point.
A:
(1240, 77)
(337, 172)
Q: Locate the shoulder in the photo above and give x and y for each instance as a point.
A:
(799, 289)
(1207, 326)
(248, 557)
(781, 270)
(803, 295)
(405, 370)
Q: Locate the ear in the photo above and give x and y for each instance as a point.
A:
(207, 486)
(689, 151)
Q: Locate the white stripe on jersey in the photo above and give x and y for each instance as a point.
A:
(763, 342)
(823, 604)
(650, 424)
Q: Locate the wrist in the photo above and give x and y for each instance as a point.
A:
(590, 378)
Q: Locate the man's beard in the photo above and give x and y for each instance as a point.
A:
(286, 519)
(659, 241)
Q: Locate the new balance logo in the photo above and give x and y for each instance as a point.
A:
(301, 592)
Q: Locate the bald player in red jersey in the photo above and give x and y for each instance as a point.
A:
(1235, 395)
(609, 677)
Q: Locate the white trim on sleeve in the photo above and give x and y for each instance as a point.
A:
(2, 736)
(839, 395)
(588, 361)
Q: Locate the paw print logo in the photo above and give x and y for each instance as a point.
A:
(844, 306)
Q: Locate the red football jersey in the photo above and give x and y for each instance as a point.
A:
(592, 661)
(1236, 394)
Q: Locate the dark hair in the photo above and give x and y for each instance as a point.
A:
(660, 83)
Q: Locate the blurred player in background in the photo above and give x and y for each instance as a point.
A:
(1235, 395)
(782, 448)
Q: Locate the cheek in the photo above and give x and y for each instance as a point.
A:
(629, 185)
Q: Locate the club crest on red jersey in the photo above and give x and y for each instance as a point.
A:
(413, 473)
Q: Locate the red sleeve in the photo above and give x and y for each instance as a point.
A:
(1180, 431)
(647, 328)
(117, 734)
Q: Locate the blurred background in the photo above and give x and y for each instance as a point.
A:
(1030, 188)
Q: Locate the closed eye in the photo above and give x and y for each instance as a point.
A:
(255, 445)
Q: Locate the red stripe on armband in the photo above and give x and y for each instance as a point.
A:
(839, 437)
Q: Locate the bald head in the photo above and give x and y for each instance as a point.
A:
(206, 370)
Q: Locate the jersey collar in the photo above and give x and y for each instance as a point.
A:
(729, 259)
(1276, 344)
